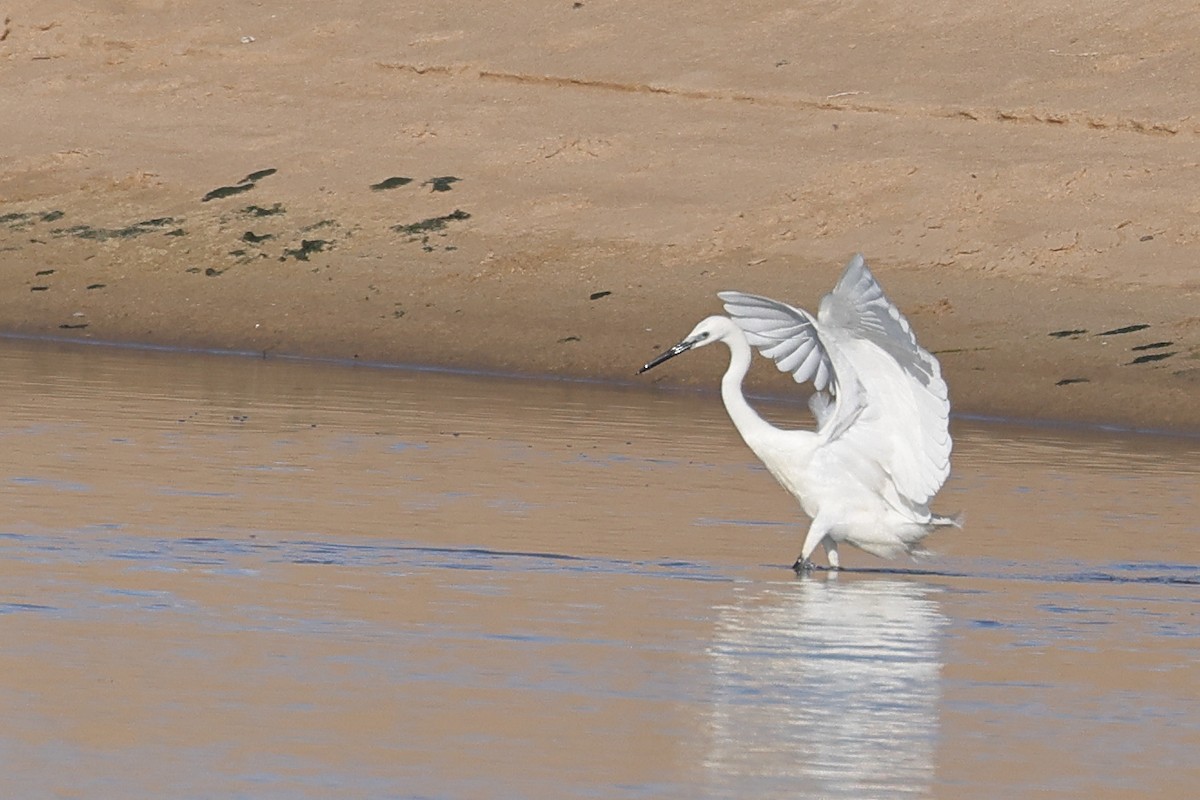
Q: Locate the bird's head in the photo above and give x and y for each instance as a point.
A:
(712, 329)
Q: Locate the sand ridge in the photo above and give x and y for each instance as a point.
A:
(418, 185)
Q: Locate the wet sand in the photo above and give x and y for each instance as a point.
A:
(247, 577)
(560, 189)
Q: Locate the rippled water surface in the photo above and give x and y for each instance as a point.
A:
(226, 577)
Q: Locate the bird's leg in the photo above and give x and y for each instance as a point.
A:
(816, 535)
(831, 553)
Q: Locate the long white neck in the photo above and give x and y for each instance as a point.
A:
(749, 424)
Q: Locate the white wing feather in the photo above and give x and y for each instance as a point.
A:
(784, 334)
(891, 403)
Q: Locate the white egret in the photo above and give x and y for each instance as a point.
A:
(881, 447)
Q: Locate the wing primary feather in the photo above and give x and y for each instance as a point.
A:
(786, 335)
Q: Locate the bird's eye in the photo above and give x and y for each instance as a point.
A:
(703, 335)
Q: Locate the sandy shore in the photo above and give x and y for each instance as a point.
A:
(562, 187)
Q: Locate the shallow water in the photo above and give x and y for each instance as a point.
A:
(227, 577)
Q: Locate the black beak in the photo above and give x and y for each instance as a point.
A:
(682, 347)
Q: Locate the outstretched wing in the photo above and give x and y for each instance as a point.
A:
(907, 401)
(792, 339)
(857, 306)
(891, 402)
(784, 334)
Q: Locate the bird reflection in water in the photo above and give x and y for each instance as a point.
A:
(826, 688)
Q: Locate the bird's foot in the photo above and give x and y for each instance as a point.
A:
(806, 567)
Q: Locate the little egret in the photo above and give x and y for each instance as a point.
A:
(881, 448)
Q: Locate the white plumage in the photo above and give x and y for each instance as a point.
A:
(881, 448)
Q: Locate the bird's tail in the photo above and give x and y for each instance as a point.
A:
(940, 521)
